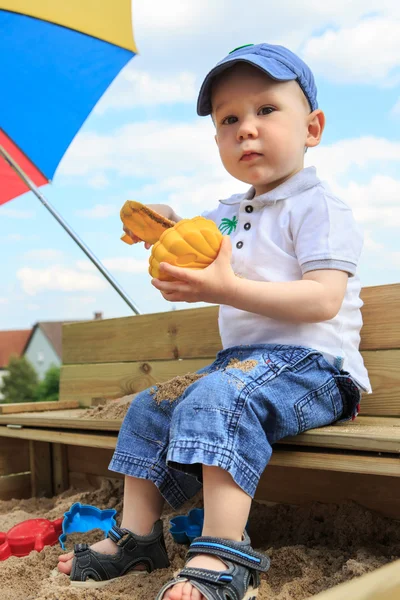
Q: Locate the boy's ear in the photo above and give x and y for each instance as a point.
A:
(316, 125)
(216, 139)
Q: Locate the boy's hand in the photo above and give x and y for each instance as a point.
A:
(135, 238)
(214, 284)
(162, 209)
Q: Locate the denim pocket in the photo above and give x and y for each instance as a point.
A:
(320, 407)
(351, 395)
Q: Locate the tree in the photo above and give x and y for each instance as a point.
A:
(48, 389)
(21, 382)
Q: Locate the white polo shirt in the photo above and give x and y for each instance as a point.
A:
(299, 226)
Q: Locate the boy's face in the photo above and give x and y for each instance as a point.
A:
(262, 126)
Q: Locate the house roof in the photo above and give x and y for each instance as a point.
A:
(53, 331)
(12, 342)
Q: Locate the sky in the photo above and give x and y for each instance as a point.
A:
(145, 142)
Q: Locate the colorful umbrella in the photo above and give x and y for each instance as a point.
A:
(58, 59)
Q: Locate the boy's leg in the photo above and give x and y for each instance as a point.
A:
(226, 510)
(143, 505)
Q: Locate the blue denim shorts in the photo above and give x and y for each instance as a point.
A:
(248, 398)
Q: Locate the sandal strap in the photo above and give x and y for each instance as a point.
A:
(116, 533)
(240, 553)
(217, 577)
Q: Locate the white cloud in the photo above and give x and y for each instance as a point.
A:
(33, 307)
(339, 158)
(190, 195)
(99, 181)
(121, 264)
(4, 301)
(79, 301)
(58, 278)
(100, 211)
(16, 213)
(379, 254)
(18, 237)
(137, 88)
(370, 243)
(367, 52)
(396, 109)
(376, 202)
(44, 254)
(146, 149)
(200, 33)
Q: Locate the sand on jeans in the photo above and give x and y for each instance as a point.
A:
(312, 548)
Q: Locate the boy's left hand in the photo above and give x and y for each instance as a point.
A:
(214, 284)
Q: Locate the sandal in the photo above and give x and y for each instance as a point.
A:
(241, 579)
(90, 569)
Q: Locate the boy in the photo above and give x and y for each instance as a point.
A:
(290, 312)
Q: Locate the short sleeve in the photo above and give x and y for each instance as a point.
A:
(211, 214)
(325, 234)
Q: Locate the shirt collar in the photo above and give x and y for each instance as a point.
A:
(300, 182)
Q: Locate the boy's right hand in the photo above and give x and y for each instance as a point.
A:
(135, 239)
(162, 209)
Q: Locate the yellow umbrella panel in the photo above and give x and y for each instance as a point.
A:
(107, 20)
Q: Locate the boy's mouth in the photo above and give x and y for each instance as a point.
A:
(249, 155)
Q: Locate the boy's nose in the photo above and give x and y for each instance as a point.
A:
(247, 129)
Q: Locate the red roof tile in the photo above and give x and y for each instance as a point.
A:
(12, 342)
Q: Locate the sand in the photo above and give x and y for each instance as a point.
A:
(312, 548)
(168, 390)
(173, 388)
(242, 365)
(110, 410)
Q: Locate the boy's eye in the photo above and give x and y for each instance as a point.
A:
(266, 110)
(229, 120)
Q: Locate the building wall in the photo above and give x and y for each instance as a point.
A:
(41, 354)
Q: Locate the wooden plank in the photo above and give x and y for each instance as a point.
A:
(85, 481)
(15, 486)
(91, 461)
(114, 380)
(193, 333)
(86, 439)
(287, 485)
(41, 469)
(384, 371)
(59, 458)
(55, 421)
(14, 457)
(382, 584)
(370, 434)
(19, 407)
(189, 333)
(346, 462)
(381, 316)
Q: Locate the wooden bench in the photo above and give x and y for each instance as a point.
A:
(111, 358)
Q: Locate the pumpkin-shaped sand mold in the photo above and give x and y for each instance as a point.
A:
(144, 222)
(191, 243)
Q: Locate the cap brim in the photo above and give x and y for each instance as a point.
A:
(271, 67)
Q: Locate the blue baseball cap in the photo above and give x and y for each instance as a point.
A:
(276, 61)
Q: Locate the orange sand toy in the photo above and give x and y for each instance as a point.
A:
(192, 243)
(143, 222)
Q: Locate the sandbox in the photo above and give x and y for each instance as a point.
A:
(312, 548)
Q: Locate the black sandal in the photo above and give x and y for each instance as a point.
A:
(241, 579)
(90, 569)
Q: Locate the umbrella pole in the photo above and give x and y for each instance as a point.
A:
(74, 236)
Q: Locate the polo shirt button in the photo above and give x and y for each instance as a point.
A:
(247, 226)
(239, 245)
(249, 208)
